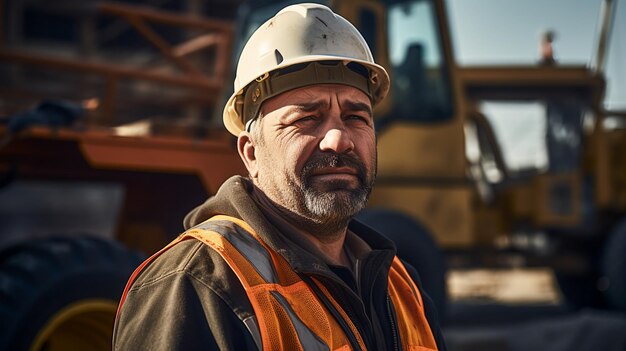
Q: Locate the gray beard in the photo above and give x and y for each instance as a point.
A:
(332, 211)
(328, 211)
(323, 214)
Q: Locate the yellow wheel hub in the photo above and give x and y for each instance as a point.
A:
(84, 325)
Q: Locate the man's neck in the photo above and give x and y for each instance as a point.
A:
(333, 250)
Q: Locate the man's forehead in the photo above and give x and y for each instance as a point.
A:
(317, 94)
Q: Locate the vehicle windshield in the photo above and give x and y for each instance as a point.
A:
(420, 81)
(537, 135)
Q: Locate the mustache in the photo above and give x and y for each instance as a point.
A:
(332, 160)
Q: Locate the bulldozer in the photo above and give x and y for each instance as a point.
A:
(132, 146)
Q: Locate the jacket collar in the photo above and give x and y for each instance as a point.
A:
(235, 198)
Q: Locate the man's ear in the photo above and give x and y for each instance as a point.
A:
(247, 149)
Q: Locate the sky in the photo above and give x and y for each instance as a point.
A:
(509, 31)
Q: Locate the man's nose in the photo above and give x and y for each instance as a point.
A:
(337, 140)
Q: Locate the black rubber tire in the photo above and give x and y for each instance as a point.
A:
(416, 246)
(579, 291)
(39, 279)
(614, 267)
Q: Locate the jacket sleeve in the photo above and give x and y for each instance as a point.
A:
(429, 308)
(178, 310)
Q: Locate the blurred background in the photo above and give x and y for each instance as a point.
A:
(502, 171)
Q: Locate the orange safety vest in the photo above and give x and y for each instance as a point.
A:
(294, 314)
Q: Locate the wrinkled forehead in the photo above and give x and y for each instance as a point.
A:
(322, 95)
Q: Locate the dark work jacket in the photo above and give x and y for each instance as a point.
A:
(189, 298)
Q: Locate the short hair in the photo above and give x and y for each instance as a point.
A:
(254, 128)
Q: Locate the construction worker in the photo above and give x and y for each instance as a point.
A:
(274, 261)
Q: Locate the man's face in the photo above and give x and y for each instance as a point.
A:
(315, 152)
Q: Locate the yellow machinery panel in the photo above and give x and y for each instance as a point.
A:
(406, 150)
(446, 212)
(610, 168)
(557, 200)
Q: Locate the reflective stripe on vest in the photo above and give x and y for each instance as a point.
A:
(289, 315)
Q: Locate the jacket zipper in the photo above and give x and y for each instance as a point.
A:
(357, 276)
(394, 330)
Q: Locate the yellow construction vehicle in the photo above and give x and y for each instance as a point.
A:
(90, 187)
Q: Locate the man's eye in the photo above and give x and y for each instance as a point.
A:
(358, 118)
(305, 119)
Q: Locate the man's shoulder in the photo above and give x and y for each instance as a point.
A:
(181, 293)
(188, 259)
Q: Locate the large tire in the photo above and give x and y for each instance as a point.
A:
(614, 267)
(62, 293)
(580, 291)
(416, 246)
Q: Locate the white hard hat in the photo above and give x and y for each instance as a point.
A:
(301, 45)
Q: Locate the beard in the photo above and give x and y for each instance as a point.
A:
(328, 206)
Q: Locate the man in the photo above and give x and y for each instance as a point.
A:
(275, 261)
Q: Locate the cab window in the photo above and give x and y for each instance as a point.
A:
(420, 81)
